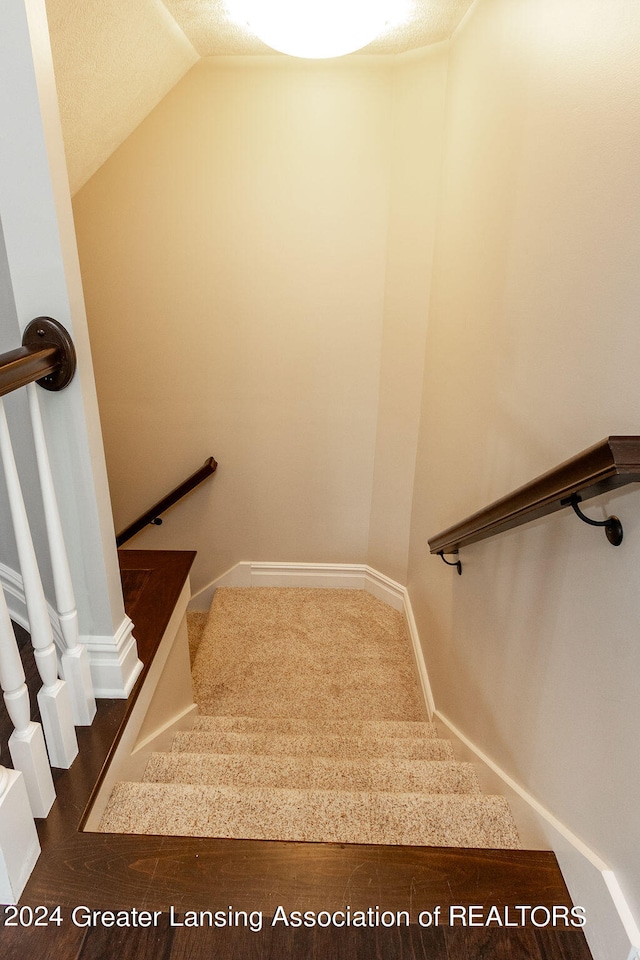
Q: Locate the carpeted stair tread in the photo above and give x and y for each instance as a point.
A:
(305, 652)
(310, 815)
(390, 775)
(322, 746)
(312, 727)
(296, 726)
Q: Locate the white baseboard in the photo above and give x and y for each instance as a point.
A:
(160, 739)
(163, 706)
(418, 655)
(350, 576)
(611, 930)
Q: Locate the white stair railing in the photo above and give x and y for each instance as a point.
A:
(53, 697)
(75, 659)
(47, 356)
(26, 743)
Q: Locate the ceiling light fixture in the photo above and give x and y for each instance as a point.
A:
(317, 28)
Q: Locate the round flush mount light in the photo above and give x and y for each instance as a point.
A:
(317, 28)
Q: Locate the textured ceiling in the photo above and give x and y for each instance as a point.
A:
(213, 33)
(115, 60)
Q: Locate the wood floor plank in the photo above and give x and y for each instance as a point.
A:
(562, 945)
(154, 943)
(282, 943)
(226, 944)
(157, 872)
(466, 943)
(38, 943)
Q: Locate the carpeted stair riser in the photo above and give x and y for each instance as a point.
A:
(345, 696)
(330, 746)
(309, 815)
(390, 775)
(311, 728)
(296, 726)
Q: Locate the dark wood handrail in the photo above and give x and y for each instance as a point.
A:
(47, 355)
(23, 366)
(611, 463)
(152, 515)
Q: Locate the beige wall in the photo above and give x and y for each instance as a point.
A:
(416, 137)
(532, 355)
(233, 254)
(259, 250)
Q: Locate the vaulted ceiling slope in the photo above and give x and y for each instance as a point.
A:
(115, 60)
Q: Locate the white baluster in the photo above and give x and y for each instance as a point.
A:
(19, 845)
(53, 698)
(75, 659)
(26, 743)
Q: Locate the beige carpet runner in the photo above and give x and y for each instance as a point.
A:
(311, 728)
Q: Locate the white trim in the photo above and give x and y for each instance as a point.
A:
(588, 877)
(114, 662)
(621, 905)
(349, 576)
(591, 882)
(346, 576)
(385, 589)
(418, 654)
(513, 785)
(147, 728)
(172, 725)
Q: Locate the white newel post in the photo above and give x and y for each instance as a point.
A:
(75, 659)
(39, 259)
(53, 698)
(26, 743)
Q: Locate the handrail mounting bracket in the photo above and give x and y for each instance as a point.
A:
(451, 563)
(47, 332)
(612, 525)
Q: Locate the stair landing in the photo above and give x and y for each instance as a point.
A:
(113, 872)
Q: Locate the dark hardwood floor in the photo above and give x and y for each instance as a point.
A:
(409, 943)
(107, 872)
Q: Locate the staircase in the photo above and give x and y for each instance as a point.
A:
(312, 744)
